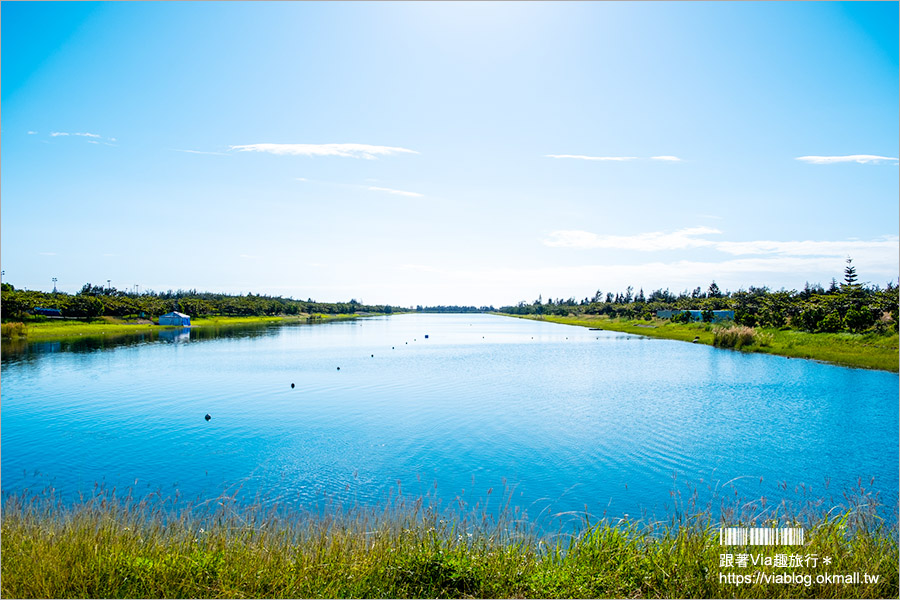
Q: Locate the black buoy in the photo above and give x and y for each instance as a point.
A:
(392, 348)
(207, 417)
(373, 356)
(292, 386)
(339, 368)
(426, 336)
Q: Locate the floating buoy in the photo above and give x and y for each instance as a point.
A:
(292, 386)
(339, 368)
(392, 348)
(426, 336)
(207, 417)
(373, 356)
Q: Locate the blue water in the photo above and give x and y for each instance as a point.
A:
(554, 418)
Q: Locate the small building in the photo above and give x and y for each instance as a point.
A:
(697, 315)
(47, 312)
(175, 318)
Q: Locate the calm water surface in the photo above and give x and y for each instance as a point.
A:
(558, 418)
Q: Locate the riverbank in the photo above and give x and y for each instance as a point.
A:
(54, 329)
(110, 548)
(867, 351)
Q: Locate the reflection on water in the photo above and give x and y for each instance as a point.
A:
(21, 349)
(556, 419)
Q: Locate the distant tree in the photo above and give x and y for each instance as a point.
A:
(713, 291)
(850, 273)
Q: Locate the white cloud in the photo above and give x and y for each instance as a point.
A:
(653, 241)
(857, 158)
(837, 249)
(78, 134)
(32, 133)
(666, 158)
(582, 157)
(301, 179)
(397, 192)
(365, 151)
(688, 238)
(198, 152)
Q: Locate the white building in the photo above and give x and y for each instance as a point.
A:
(175, 318)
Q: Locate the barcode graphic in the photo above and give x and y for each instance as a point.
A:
(761, 536)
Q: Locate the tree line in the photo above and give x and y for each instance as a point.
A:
(96, 301)
(846, 306)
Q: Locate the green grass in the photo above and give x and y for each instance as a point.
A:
(104, 547)
(869, 351)
(52, 329)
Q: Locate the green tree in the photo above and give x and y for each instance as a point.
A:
(850, 273)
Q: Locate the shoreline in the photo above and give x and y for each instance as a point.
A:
(109, 326)
(864, 351)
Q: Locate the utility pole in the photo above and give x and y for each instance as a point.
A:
(108, 285)
(54, 285)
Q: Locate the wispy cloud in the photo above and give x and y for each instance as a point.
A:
(647, 242)
(32, 133)
(857, 158)
(690, 238)
(365, 151)
(666, 158)
(811, 247)
(85, 134)
(397, 192)
(200, 152)
(583, 157)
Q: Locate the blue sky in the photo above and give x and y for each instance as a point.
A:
(431, 153)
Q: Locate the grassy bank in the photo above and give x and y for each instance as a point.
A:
(58, 329)
(108, 548)
(869, 351)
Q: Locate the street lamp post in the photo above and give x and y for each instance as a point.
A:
(54, 285)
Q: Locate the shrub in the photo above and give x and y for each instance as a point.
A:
(14, 330)
(830, 323)
(735, 336)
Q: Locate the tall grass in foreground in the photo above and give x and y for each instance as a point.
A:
(105, 547)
